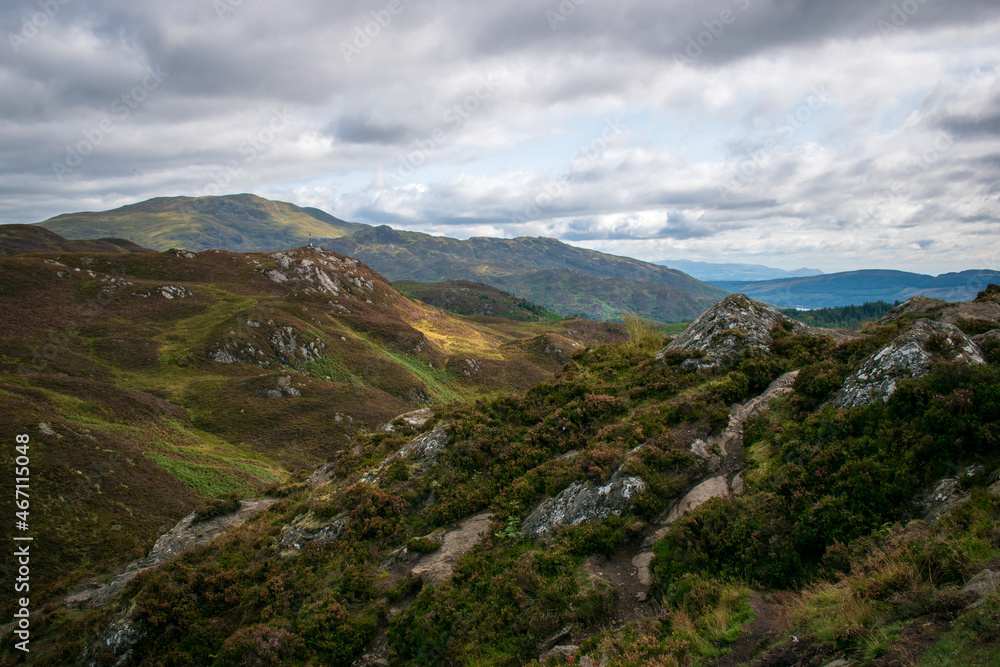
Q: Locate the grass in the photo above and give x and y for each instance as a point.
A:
(644, 336)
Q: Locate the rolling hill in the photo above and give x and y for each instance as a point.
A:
(601, 286)
(239, 223)
(152, 381)
(859, 287)
(465, 297)
(555, 275)
(20, 239)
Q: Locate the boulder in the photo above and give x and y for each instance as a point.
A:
(716, 487)
(730, 328)
(911, 354)
(579, 503)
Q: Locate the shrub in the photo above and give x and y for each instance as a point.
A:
(423, 545)
(258, 645)
(216, 507)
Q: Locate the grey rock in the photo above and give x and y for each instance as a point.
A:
(991, 336)
(435, 567)
(910, 355)
(423, 449)
(715, 487)
(730, 328)
(736, 486)
(985, 583)
(579, 503)
(306, 529)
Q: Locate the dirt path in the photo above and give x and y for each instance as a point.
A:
(763, 629)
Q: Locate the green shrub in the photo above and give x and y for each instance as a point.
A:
(423, 545)
(215, 507)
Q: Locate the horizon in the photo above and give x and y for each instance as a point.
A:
(727, 260)
(733, 130)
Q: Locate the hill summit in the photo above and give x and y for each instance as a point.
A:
(239, 223)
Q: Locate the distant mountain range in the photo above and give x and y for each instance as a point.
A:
(240, 223)
(746, 272)
(858, 287)
(565, 279)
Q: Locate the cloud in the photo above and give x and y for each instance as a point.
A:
(716, 146)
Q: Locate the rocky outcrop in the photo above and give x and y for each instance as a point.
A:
(307, 529)
(910, 355)
(423, 449)
(315, 269)
(986, 308)
(582, 502)
(730, 328)
(412, 419)
(185, 536)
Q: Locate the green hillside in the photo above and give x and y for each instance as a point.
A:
(561, 277)
(240, 223)
(464, 297)
(150, 382)
(859, 536)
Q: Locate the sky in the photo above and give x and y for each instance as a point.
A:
(832, 134)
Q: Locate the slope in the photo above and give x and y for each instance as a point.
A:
(465, 297)
(858, 287)
(633, 510)
(150, 382)
(240, 223)
(525, 266)
(20, 239)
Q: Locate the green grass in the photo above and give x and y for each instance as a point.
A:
(211, 481)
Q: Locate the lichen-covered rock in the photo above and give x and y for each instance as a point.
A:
(423, 449)
(921, 305)
(909, 355)
(114, 646)
(731, 327)
(306, 529)
(579, 503)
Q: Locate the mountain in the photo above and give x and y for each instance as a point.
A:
(239, 223)
(710, 272)
(20, 239)
(149, 382)
(859, 287)
(465, 297)
(566, 279)
(754, 492)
